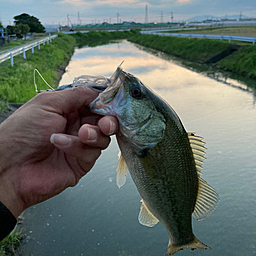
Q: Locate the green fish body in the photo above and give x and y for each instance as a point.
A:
(163, 159)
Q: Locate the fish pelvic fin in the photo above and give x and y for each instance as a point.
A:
(121, 171)
(146, 218)
(195, 244)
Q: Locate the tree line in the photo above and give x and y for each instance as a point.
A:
(24, 23)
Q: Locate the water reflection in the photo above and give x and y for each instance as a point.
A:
(96, 218)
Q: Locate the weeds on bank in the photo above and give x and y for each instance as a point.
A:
(10, 244)
(17, 82)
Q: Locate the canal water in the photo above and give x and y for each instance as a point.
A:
(96, 218)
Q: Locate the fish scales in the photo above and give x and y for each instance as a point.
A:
(175, 181)
(160, 156)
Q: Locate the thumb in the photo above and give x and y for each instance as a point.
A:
(73, 146)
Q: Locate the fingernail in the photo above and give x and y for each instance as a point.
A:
(92, 134)
(112, 127)
(60, 140)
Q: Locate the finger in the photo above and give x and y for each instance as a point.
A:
(92, 136)
(108, 125)
(73, 146)
(68, 101)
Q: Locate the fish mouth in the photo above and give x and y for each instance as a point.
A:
(100, 104)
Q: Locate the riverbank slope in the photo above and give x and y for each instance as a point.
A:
(17, 82)
(241, 61)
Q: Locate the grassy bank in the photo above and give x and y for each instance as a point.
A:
(242, 61)
(94, 38)
(10, 244)
(17, 82)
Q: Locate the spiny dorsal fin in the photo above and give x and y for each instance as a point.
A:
(146, 218)
(207, 199)
(121, 171)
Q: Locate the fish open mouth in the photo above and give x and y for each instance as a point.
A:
(109, 93)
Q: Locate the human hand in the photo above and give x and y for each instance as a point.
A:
(32, 169)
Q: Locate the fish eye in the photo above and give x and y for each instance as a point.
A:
(135, 92)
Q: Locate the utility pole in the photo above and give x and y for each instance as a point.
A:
(162, 19)
(240, 16)
(172, 17)
(146, 14)
(109, 20)
(78, 19)
(117, 17)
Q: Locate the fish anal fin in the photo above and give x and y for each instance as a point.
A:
(121, 171)
(146, 218)
(207, 199)
(195, 244)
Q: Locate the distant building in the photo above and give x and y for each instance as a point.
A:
(226, 20)
(248, 19)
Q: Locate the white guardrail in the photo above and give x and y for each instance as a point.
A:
(220, 37)
(22, 49)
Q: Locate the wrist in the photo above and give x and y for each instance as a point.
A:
(8, 195)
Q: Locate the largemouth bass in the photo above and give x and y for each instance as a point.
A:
(164, 160)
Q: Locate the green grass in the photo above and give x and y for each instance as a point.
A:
(10, 244)
(242, 61)
(197, 50)
(14, 43)
(17, 82)
(95, 38)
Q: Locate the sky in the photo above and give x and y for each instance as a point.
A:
(98, 11)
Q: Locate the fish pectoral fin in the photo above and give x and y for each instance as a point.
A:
(207, 199)
(121, 171)
(195, 244)
(146, 218)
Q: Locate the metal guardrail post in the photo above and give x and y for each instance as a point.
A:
(254, 41)
(38, 45)
(47, 40)
(24, 54)
(11, 57)
(43, 42)
(229, 39)
(32, 48)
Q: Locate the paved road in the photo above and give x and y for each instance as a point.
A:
(21, 46)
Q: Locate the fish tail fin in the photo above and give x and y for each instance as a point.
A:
(195, 244)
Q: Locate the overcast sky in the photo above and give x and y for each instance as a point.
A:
(56, 11)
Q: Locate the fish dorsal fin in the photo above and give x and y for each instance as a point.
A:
(146, 218)
(207, 199)
(121, 171)
(198, 149)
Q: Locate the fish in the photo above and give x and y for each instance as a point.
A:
(164, 160)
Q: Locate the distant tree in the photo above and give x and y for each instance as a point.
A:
(33, 22)
(10, 29)
(1, 25)
(21, 30)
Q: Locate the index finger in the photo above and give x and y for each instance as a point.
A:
(68, 101)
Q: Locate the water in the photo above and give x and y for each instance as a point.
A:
(96, 218)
